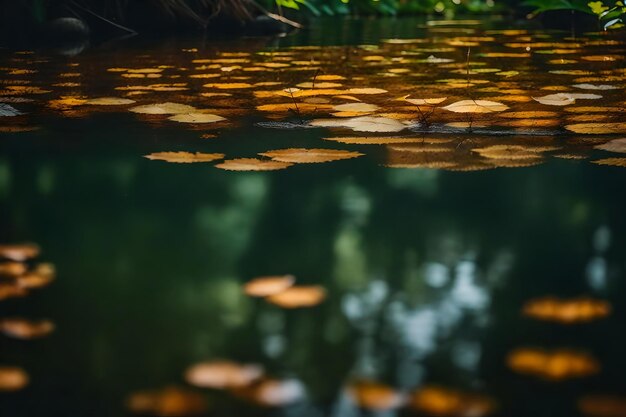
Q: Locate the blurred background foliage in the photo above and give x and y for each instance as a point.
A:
(610, 12)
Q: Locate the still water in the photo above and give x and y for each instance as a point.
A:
(439, 205)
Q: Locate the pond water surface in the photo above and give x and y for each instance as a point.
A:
(441, 206)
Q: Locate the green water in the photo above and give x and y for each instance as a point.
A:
(426, 270)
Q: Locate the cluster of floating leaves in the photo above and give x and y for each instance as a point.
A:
(518, 91)
(19, 275)
(282, 291)
(567, 311)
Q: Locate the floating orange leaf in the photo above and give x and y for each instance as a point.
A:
(222, 374)
(306, 156)
(297, 297)
(167, 402)
(554, 365)
(266, 286)
(252, 164)
(578, 310)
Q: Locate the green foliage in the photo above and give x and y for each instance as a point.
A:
(383, 7)
(610, 13)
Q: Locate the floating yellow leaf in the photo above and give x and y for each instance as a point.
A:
(305, 156)
(356, 107)
(428, 101)
(616, 162)
(163, 108)
(252, 164)
(363, 124)
(109, 101)
(598, 128)
(184, 157)
(476, 106)
(196, 118)
(228, 86)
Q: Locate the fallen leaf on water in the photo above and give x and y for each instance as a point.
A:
(167, 402)
(274, 392)
(375, 396)
(19, 252)
(595, 87)
(356, 107)
(507, 152)
(12, 268)
(598, 128)
(228, 86)
(578, 310)
(184, 157)
(297, 297)
(428, 101)
(553, 365)
(616, 145)
(363, 124)
(266, 286)
(222, 374)
(42, 275)
(252, 164)
(196, 118)
(11, 290)
(12, 378)
(305, 156)
(163, 108)
(444, 402)
(616, 162)
(564, 99)
(373, 140)
(19, 328)
(476, 106)
(109, 101)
